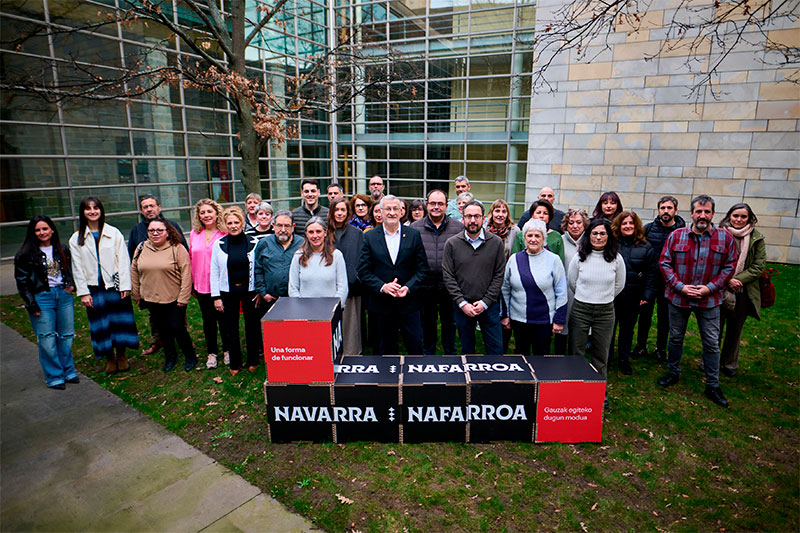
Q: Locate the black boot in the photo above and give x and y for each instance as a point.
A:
(625, 365)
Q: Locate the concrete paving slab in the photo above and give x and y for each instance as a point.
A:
(83, 460)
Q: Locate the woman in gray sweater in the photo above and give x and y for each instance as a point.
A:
(318, 268)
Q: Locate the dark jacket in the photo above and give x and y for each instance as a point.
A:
(641, 269)
(657, 234)
(139, 235)
(375, 268)
(30, 271)
(474, 274)
(272, 262)
(433, 240)
(349, 241)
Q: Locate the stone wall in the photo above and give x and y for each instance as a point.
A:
(627, 124)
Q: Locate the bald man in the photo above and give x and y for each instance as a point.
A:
(547, 194)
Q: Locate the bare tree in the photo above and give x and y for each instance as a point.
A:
(699, 30)
(217, 62)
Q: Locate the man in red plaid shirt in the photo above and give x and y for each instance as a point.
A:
(697, 263)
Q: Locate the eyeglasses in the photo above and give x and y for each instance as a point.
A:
(599, 234)
(156, 231)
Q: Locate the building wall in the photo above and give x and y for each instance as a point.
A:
(625, 124)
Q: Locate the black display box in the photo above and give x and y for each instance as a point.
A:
(434, 399)
(370, 384)
(502, 398)
(300, 412)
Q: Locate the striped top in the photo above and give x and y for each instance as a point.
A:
(535, 288)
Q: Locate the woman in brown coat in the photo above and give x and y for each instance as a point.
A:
(161, 278)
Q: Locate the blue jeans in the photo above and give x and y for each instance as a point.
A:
(708, 324)
(54, 329)
(490, 327)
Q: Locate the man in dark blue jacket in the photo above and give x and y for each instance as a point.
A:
(657, 233)
(435, 229)
(392, 267)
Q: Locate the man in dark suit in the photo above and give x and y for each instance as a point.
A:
(392, 267)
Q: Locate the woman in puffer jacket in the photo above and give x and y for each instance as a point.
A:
(641, 268)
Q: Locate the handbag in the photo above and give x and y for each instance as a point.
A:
(767, 288)
(729, 300)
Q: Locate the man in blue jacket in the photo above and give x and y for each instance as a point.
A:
(273, 257)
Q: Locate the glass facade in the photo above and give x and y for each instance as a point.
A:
(459, 104)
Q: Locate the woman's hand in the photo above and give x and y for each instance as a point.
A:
(70, 289)
(506, 323)
(642, 302)
(181, 304)
(87, 300)
(124, 294)
(735, 284)
(218, 306)
(558, 328)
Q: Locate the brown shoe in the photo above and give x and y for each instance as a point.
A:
(122, 361)
(111, 366)
(252, 368)
(156, 346)
(234, 372)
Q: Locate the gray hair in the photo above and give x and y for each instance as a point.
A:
(387, 197)
(465, 196)
(264, 206)
(535, 224)
(316, 220)
(462, 178)
(284, 213)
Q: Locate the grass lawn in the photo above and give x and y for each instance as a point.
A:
(669, 460)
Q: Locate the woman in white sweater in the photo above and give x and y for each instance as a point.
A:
(596, 275)
(318, 268)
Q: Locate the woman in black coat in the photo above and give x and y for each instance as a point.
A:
(348, 240)
(641, 268)
(44, 280)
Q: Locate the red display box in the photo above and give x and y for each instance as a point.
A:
(569, 405)
(302, 337)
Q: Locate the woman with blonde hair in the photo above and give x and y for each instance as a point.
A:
(232, 287)
(207, 228)
(499, 222)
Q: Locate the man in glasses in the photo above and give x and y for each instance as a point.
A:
(435, 229)
(150, 208)
(473, 268)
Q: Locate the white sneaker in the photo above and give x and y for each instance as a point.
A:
(212, 361)
(227, 358)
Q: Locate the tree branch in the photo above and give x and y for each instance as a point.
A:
(264, 21)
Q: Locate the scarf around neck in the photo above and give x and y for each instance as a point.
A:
(742, 238)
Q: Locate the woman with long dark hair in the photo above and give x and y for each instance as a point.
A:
(233, 286)
(44, 281)
(348, 240)
(608, 206)
(102, 272)
(596, 275)
(161, 280)
(318, 268)
(743, 295)
(641, 268)
(207, 228)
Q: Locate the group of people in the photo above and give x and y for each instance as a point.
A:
(565, 280)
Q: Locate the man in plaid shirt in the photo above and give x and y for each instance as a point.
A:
(697, 263)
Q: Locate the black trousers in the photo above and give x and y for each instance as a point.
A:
(171, 319)
(388, 327)
(211, 320)
(532, 337)
(252, 326)
(646, 320)
(438, 304)
(626, 311)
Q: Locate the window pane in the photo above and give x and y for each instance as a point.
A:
(29, 139)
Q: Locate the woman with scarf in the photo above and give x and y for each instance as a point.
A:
(499, 222)
(743, 294)
(360, 204)
(573, 224)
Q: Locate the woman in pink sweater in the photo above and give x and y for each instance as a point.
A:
(207, 227)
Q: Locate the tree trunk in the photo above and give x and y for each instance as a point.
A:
(249, 142)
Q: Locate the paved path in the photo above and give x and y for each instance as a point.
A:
(82, 460)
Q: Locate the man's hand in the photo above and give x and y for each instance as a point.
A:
(695, 291)
(402, 292)
(506, 323)
(468, 310)
(269, 298)
(391, 288)
(124, 294)
(478, 307)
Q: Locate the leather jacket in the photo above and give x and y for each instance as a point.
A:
(30, 272)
